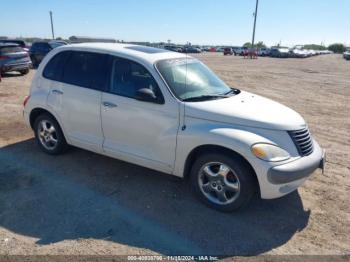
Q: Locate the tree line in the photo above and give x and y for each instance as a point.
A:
(336, 48)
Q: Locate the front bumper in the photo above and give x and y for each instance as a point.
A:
(281, 179)
(298, 169)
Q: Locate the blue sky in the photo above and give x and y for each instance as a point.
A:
(197, 21)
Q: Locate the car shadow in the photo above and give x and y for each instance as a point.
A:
(84, 195)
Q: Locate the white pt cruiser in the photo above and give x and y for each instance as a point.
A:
(169, 112)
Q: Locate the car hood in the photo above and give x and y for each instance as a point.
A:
(247, 109)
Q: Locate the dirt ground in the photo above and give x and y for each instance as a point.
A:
(83, 203)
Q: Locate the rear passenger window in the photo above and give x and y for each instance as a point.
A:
(54, 68)
(43, 47)
(86, 69)
(127, 77)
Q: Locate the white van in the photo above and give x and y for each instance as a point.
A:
(167, 111)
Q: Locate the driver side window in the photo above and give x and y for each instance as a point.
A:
(127, 77)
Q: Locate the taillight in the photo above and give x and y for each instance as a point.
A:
(3, 57)
(26, 100)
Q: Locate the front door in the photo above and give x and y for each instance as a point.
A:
(138, 131)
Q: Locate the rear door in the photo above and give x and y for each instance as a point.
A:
(77, 98)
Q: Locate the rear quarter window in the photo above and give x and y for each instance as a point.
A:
(54, 68)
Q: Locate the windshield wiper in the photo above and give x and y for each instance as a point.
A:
(204, 97)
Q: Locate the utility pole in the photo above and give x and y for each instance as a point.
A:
(53, 34)
(255, 15)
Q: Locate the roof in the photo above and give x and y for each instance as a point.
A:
(145, 53)
(88, 39)
(8, 44)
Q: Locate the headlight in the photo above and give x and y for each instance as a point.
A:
(269, 152)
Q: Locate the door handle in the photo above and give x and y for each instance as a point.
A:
(109, 104)
(57, 92)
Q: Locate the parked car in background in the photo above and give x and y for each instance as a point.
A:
(220, 49)
(228, 51)
(280, 52)
(326, 52)
(191, 49)
(264, 51)
(240, 50)
(21, 43)
(169, 112)
(40, 49)
(206, 48)
(346, 54)
(298, 53)
(14, 58)
(173, 48)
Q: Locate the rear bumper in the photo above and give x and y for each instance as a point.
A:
(299, 169)
(15, 67)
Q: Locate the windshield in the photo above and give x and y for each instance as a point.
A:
(189, 78)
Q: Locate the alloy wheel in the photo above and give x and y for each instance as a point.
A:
(219, 183)
(47, 135)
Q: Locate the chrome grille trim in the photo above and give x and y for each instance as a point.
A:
(303, 141)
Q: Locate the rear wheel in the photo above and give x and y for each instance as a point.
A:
(223, 182)
(49, 135)
(35, 62)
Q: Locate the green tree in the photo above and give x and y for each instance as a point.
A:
(259, 44)
(315, 47)
(248, 44)
(337, 48)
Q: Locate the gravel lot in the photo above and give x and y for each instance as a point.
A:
(83, 203)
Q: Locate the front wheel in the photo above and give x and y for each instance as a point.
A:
(223, 182)
(49, 135)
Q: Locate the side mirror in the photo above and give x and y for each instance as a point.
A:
(146, 95)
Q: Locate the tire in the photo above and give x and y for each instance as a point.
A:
(46, 137)
(240, 175)
(24, 71)
(34, 62)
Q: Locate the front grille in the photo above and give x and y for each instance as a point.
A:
(303, 141)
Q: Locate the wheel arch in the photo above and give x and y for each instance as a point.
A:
(202, 149)
(36, 112)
